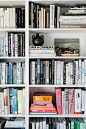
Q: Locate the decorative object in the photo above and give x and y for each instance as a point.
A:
(70, 54)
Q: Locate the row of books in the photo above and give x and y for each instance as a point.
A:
(12, 45)
(71, 101)
(12, 17)
(42, 104)
(12, 101)
(41, 72)
(39, 18)
(12, 73)
(57, 123)
(74, 18)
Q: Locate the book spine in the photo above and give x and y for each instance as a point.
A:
(15, 73)
(76, 74)
(8, 100)
(11, 17)
(19, 46)
(2, 103)
(52, 15)
(66, 101)
(6, 44)
(23, 44)
(20, 78)
(8, 18)
(30, 69)
(77, 101)
(85, 70)
(33, 72)
(4, 35)
(16, 45)
(63, 102)
(2, 18)
(29, 15)
(0, 72)
(59, 72)
(14, 17)
(58, 16)
(9, 73)
(9, 44)
(85, 102)
(20, 102)
(17, 13)
(50, 70)
(22, 73)
(74, 70)
(33, 15)
(67, 74)
(55, 69)
(62, 67)
(44, 70)
(3, 73)
(2, 46)
(42, 17)
(11, 101)
(24, 18)
(37, 16)
(47, 72)
(71, 73)
(41, 73)
(20, 17)
(38, 71)
(83, 73)
(13, 45)
(6, 73)
(15, 100)
(82, 102)
(80, 71)
(24, 101)
(5, 101)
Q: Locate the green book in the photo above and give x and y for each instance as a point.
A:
(76, 125)
(82, 125)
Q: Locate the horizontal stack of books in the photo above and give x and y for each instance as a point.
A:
(42, 104)
(57, 123)
(18, 123)
(12, 18)
(41, 18)
(71, 101)
(74, 18)
(12, 45)
(12, 73)
(42, 72)
(12, 101)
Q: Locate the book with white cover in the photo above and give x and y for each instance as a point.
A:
(5, 18)
(4, 35)
(58, 16)
(82, 101)
(8, 110)
(11, 17)
(2, 103)
(63, 102)
(11, 44)
(42, 18)
(16, 45)
(44, 123)
(52, 15)
(76, 73)
(2, 17)
(8, 18)
(71, 73)
(5, 101)
(6, 43)
(80, 71)
(78, 101)
(33, 72)
(58, 72)
(3, 73)
(67, 74)
(14, 18)
(62, 71)
(85, 71)
(85, 102)
(55, 72)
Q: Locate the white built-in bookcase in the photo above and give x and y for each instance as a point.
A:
(49, 36)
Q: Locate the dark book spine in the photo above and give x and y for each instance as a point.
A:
(11, 73)
(30, 126)
(17, 17)
(9, 44)
(30, 74)
(74, 70)
(23, 44)
(29, 14)
(41, 76)
(36, 72)
(24, 18)
(13, 45)
(19, 45)
(44, 70)
(33, 15)
(52, 72)
(64, 79)
(35, 12)
(20, 18)
(38, 18)
(50, 125)
(22, 22)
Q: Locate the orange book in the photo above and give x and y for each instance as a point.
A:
(41, 108)
(42, 98)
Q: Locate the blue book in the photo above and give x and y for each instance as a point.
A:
(15, 100)
(83, 72)
(9, 74)
(15, 74)
(2, 46)
(11, 101)
(22, 73)
(66, 98)
(44, 70)
(38, 71)
(20, 78)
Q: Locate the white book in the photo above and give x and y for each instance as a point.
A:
(76, 73)
(52, 15)
(11, 44)
(62, 72)
(80, 71)
(83, 73)
(11, 17)
(2, 103)
(14, 18)
(71, 73)
(43, 18)
(33, 72)
(33, 125)
(63, 102)
(58, 16)
(55, 72)
(44, 123)
(16, 45)
(23, 100)
(8, 18)
(5, 19)
(58, 72)
(67, 74)
(77, 100)
(2, 18)
(37, 14)
(82, 101)
(8, 94)
(85, 102)
(6, 43)
(5, 101)
(4, 35)
(41, 124)
(3, 73)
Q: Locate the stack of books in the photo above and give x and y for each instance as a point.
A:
(42, 104)
(12, 18)
(12, 101)
(74, 18)
(41, 18)
(12, 45)
(18, 123)
(71, 101)
(12, 73)
(42, 72)
(57, 123)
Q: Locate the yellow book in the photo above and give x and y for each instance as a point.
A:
(20, 101)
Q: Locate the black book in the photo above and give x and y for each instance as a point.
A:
(35, 16)
(19, 45)
(41, 75)
(64, 79)
(50, 70)
(17, 17)
(74, 71)
(23, 44)
(30, 73)
(22, 23)
(29, 14)
(55, 20)
(9, 44)
(36, 72)
(20, 18)
(24, 18)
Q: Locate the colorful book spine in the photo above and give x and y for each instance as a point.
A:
(15, 74)
(38, 71)
(44, 69)
(22, 73)
(41, 73)
(2, 46)
(11, 101)
(52, 72)
(15, 100)
(2, 103)
(9, 73)
(67, 74)
(83, 73)
(6, 73)
(66, 101)
(24, 101)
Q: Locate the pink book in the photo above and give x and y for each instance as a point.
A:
(58, 101)
(71, 99)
